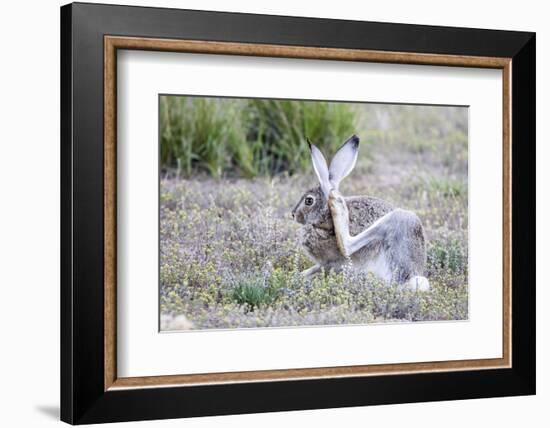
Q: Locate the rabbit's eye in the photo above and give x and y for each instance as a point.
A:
(309, 200)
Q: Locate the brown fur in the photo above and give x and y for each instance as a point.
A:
(317, 233)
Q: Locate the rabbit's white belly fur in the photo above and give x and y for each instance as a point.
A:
(378, 266)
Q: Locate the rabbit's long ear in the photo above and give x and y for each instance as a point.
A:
(344, 161)
(320, 167)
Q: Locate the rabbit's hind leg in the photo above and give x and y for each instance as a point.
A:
(347, 244)
(340, 219)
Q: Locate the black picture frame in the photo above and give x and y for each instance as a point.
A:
(83, 398)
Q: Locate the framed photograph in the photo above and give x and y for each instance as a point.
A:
(265, 213)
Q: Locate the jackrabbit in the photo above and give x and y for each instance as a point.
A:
(378, 238)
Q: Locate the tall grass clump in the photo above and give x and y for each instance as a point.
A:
(196, 134)
(247, 137)
(279, 127)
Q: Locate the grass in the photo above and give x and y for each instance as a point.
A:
(229, 252)
(247, 137)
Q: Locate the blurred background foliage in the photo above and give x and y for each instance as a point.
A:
(232, 137)
(247, 137)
